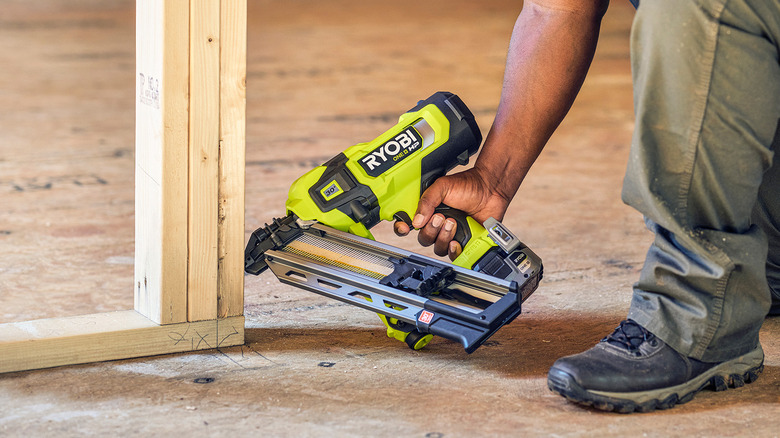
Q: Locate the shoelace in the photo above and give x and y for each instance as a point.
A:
(629, 335)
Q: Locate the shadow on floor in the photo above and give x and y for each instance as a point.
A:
(525, 348)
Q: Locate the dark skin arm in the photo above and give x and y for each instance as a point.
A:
(551, 49)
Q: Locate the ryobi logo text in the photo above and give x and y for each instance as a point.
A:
(391, 152)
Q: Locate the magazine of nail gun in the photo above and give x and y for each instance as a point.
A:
(324, 244)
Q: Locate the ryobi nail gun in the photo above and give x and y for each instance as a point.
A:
(324, 244)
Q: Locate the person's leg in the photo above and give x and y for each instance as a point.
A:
(707, 107)
(706, 78)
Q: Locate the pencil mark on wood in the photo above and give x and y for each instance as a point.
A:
(149, 90)
(259, 354)
(202, 339)
(246, 358)
(221, 339)
(177, 337)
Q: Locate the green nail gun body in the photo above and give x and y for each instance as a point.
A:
(324, 244)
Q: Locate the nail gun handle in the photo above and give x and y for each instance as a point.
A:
(478, 240)
(467, 226)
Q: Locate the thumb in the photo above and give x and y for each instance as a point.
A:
(431, 198)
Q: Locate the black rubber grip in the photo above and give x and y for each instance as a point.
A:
(463, 231)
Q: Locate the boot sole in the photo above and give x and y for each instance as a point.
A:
(730, 374)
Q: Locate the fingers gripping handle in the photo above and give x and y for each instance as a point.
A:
(475, 239)
(467, 227)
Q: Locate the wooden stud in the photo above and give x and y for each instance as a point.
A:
(162, 90)
(204, 159)
(232, 116)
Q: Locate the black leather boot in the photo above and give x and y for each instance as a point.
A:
(632, 370)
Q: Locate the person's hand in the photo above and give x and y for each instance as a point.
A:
(469, 191)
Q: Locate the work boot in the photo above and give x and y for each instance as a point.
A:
(632, 370)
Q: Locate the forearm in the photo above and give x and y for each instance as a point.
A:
(550, 52)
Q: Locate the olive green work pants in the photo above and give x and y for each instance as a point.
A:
(702, 171)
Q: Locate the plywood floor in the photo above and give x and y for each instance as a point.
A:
(321, 76)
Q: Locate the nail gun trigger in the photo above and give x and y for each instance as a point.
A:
(403, 217)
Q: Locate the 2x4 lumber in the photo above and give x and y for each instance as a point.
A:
(106, 336)
(232, 115)
(204, 159)
(162, 91)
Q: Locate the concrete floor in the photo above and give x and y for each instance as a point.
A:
(321, 76)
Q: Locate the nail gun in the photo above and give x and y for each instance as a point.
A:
(324, 244)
